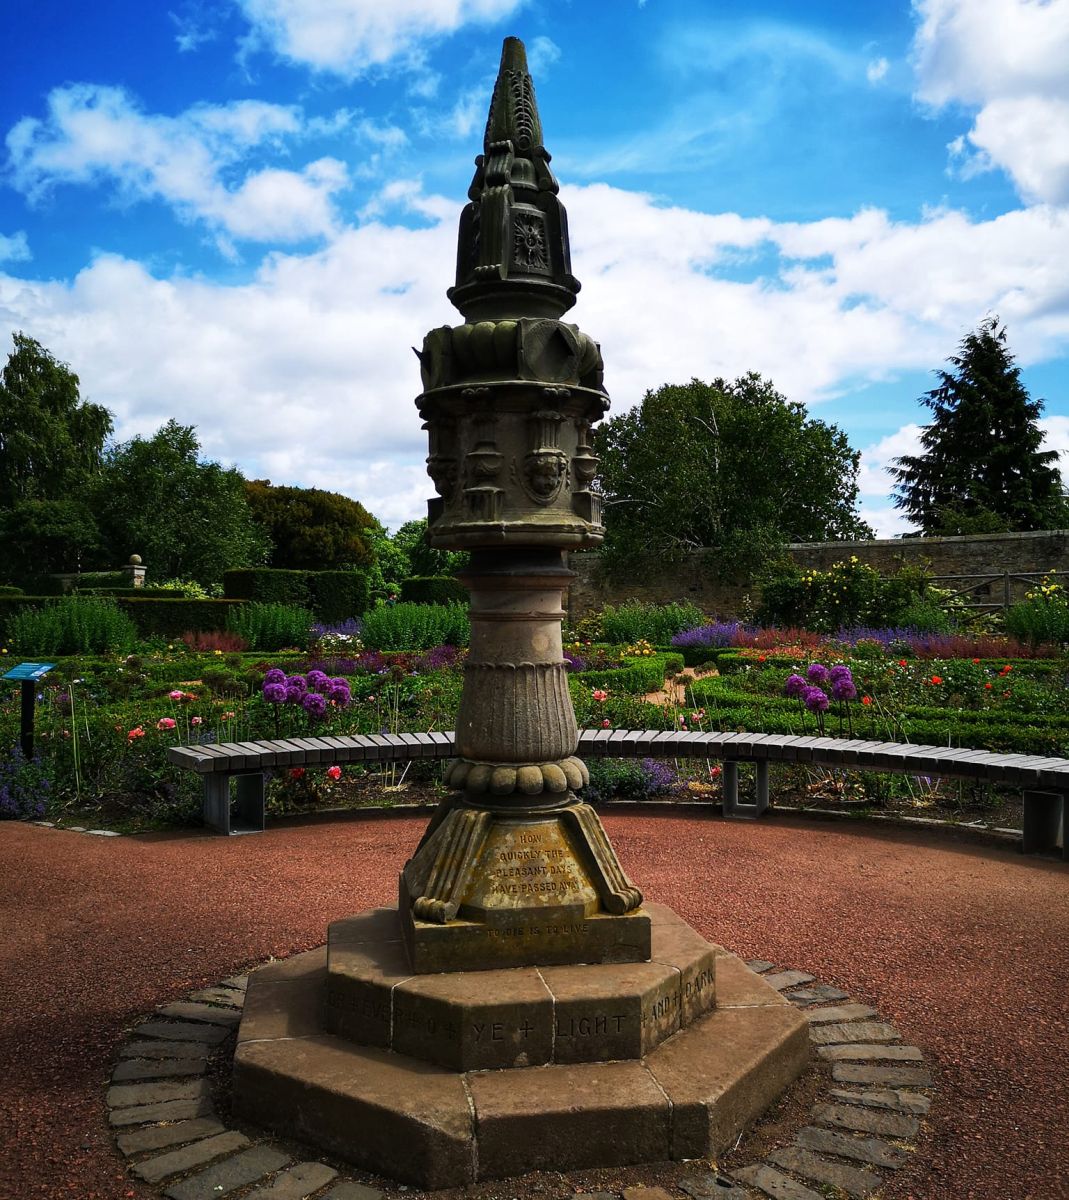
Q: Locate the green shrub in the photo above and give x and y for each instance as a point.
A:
(72, 625)
(433, 589)
(11, 591)
(416, 626)
(846, 595)
(164, 618)
(1042, 617)
(629, 779)
(655, 623)
(336, 596)
(265, 585)
(271, 626)
(100, 579)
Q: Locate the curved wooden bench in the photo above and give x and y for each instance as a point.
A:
(245, 764)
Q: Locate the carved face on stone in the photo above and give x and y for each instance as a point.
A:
(545, 473)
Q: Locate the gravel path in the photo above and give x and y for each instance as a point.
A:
(965, 948)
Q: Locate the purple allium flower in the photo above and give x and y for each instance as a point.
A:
(338, 692)
(843, 689)
(275, 693)
(795, 685)
(839, 671)
(817, 673)
(314, 704)
(297, 681)
(815, 699)
(316, 679)
(295, 694)
(275, 675)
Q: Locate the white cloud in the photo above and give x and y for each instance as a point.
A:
(304, 374)
(542, 53)
(98, 135)
(14, 247)
(877, 70)
(1008, 59)
(350, 37)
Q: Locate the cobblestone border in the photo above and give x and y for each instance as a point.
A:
(161, 1111)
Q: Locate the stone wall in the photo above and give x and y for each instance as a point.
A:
(1001, 554)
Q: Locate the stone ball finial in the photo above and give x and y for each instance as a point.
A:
(135, 560)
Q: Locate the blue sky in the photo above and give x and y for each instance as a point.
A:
(242, 213)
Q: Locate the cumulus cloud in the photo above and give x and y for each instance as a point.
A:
(304, 374)
(1007, 59)
(99, 135)
(877, 69)
(350, 37)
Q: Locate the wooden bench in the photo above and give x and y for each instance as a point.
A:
(234, 773)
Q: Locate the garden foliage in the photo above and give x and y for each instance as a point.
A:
(72, 625)
(1043, 616)
(433, 589)
(634, 621)
(271, 626)
(416, 626)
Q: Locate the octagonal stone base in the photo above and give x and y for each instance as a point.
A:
(688, 1093)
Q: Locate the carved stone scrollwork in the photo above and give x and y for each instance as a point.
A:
(442, 465)
(530, 251)
(545, 467)
(483, 462)
(585, 462)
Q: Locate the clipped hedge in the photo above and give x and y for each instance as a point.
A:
(172, 618)
(637, 677)
(331, 595)
(433, 589)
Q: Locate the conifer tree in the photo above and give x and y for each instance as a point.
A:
(982, 469)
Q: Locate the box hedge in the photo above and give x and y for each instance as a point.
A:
(331, 595)
(433, 589)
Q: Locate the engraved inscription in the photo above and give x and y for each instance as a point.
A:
(535, 864)
(595, 1026)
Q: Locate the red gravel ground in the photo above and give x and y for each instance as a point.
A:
(965, 948)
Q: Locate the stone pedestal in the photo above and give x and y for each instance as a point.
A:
(445, 1079)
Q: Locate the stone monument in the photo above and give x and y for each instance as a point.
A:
(521, 1008)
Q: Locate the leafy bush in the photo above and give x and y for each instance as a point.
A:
(416, 626)
(1043, 616)
(271, 626)
(72, 625)
(656, 623)
(25, 788)
(629, 779)
(848, 593)
(266, 585)
(101, 579)
(433, 589)
(11, 591)
(158, 617)
(636, 677)
(207, 641)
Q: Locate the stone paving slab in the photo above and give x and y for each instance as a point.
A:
(839, 1012)
(775, 1184)
(232, 1173)
(709, 1185)
(178, 1162)
(352, 1191)
(759, 965)
(908, 1102)
(864, 1052)
(183, 1031)
(781, 980)
(297, 1183)
(893, 1076)
(857, 1182)
(217, 995)
(125, 1094)
(238, 982)
(819, 993)
(130, 1069)
(167, 1110)
(188, 1010)
(159, 1137)
(872, 1151)
(163, 1049)
(853, 1031)
(867, 1120)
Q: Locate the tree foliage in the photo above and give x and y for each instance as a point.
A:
(51, 439)
(187, 518)
(982, 469)
(730, 465)
(310, 529)
(424, 559)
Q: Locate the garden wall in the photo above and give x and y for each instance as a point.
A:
(695, 578)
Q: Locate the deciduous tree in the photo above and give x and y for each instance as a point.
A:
(311, 529)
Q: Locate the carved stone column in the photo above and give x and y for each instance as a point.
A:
(515, 868)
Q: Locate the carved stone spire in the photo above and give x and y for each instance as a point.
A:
(513, 257)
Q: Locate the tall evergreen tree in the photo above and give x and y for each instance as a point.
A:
(982, 469)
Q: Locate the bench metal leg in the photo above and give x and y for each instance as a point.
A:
(245, 814)
(732, 807)
(1043, 826)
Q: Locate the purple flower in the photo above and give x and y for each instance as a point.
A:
(275, 693)
(314, 704)
(275, 675)
(815, 700)
(839, 671)
(795, 685)
(817, 673)
(297, 681)
(295, 694)
(338, 692)
(316, 679)
(843, 689)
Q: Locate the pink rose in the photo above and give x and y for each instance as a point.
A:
(334, 772)
(606, 724)
(196, 720)
(165, 723)
(600, 694)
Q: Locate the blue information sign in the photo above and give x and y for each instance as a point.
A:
(29, 671)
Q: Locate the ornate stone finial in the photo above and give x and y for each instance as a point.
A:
(513, 257)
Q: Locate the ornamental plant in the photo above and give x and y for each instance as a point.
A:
(819, 687)
(1043, 615)
(314, 693)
